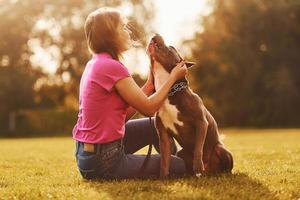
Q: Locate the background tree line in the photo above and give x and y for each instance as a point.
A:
(247, 56)
(248, 63)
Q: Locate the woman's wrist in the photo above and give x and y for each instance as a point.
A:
(148, 88)
(172, 78)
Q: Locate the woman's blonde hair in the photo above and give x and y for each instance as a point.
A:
(101, 31)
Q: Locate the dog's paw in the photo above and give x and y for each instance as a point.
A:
(198, 175)
(164, 175)
(198, 166)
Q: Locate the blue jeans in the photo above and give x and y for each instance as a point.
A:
(115, 160)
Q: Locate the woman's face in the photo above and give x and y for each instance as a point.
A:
(124, 34)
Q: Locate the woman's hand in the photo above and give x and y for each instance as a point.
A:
(150, 81)
(179, 71)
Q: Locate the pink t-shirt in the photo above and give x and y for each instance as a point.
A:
(102, 111)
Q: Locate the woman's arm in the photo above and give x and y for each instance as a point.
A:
(135, 97)
(148, 89)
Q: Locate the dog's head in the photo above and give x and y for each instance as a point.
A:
(167, 56)
(220, 161)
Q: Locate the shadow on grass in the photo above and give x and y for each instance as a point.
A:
(235, 186)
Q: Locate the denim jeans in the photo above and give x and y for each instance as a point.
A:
(116, 160)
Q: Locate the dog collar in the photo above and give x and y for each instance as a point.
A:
(177, 87)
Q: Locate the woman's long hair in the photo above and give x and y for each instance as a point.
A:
(102, 35)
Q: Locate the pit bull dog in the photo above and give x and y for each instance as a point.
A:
(184, 117)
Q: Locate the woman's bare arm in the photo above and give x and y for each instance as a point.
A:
(135, 97)
(147, 89)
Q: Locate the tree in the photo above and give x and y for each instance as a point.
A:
(248, 62)
(17, 78)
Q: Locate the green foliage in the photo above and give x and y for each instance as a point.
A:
(16, 92)
(17, 19)
(16, 85)
(266, 167)
(49, 96)
(17, 78)
(44, 122)
(248, 62)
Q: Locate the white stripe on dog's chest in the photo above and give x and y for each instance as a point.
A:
(169, 116)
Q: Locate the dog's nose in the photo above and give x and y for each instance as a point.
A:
(151, 43)
(156, 38)
(153, 40)
(157, 35)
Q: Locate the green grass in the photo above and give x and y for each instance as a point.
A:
(267, 166)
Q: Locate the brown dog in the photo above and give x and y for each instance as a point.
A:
(184, 117)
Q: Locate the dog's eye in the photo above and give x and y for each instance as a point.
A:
(159, 46)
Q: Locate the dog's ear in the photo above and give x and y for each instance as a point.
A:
(189, 64)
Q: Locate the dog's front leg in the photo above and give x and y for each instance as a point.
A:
(165, 153)
(201, 132)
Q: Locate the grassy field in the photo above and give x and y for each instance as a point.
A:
(267, 166)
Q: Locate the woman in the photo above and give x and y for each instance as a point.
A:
(108, 97)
